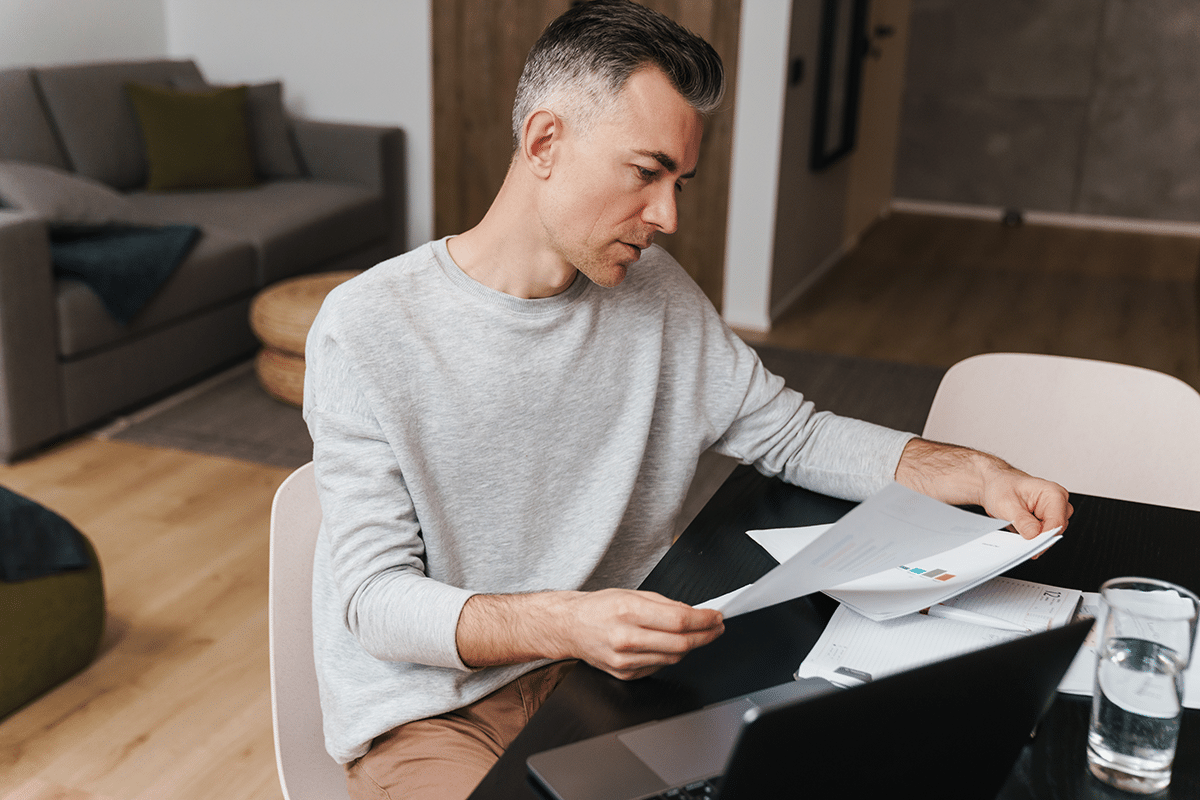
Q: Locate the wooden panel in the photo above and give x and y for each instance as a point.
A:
(478, 52)
(479, 48)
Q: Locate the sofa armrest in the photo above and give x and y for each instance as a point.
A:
(30, 392)
(369, 155)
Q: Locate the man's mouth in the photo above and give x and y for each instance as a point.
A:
(638, 247)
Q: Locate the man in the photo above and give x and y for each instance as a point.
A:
(506, 423)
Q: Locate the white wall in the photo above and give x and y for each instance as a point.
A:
(757, 144)
(73, 31)
(342, 60)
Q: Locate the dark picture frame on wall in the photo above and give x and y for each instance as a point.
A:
(843, 46)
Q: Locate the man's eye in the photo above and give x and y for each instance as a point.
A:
(647, 174)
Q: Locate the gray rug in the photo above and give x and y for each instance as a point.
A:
(232, 416)
(229, 415)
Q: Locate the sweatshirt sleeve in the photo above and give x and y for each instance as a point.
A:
(392, 608)
(781, 433)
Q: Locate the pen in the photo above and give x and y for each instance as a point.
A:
(973, 617)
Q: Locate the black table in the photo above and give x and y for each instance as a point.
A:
(1106, 538)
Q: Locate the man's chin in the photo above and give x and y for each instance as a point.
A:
(607, 277)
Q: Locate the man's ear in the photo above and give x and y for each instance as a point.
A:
(541, 135)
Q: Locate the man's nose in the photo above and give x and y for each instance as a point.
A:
(662, 211)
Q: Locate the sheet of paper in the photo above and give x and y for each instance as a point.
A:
(783, 543)
(920, 583)
(893, 527)
(1082, 674)
(853, 649)
(723, 600)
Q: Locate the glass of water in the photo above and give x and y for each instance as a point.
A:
(1144, 642)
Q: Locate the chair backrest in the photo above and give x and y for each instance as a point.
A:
(1095, 427)
(306, 771)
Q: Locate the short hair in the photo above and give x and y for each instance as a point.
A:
(582, 60)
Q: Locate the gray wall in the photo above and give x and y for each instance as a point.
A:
(1081, 106)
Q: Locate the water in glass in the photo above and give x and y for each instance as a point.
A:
(1136, 711)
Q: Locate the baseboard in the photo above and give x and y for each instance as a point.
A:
(1054, 218)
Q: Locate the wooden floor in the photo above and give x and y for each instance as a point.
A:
(177, 705)
(935, 290)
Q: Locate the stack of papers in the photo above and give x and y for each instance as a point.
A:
(894, 527)
(923, 583)
(900, 552)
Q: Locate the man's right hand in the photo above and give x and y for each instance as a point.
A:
(628, 634)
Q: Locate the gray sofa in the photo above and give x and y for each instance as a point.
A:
(328, 196)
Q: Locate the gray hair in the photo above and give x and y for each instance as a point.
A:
(582, 60)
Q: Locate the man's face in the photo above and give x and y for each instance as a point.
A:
(613, 188)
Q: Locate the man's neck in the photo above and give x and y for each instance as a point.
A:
(504, 254)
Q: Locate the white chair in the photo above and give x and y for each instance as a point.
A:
(1095, 427)
(306, 771)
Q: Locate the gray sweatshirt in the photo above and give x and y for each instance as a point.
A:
(469, 441)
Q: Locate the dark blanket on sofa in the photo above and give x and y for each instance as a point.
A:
(34, 541)
(124, 264)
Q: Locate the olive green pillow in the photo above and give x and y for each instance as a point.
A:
(194, 139)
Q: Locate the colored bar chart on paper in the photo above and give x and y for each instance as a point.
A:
(935, 574)
(922, 583)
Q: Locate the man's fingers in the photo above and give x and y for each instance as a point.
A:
(1029, 526)
(1058, 519)
(682, 618)
(635, 632)
(647, 651)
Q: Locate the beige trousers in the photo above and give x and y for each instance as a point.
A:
(445, 757)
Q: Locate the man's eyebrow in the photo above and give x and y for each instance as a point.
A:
(668, 163)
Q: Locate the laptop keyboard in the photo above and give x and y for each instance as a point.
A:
(700, 790)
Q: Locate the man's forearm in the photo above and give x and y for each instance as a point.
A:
(510, 628)
(947, 472)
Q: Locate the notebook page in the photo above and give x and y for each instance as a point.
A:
(1035, 606)
(851, 644)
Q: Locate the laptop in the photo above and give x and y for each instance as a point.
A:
(953, 728)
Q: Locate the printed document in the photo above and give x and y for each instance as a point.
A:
(924, 582)
(896, 526)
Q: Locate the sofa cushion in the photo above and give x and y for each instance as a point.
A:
(95, 120)
(296, 226)
(275, 152)
(25, 131)
(194, 139)
(58, 196)
(218, 269)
